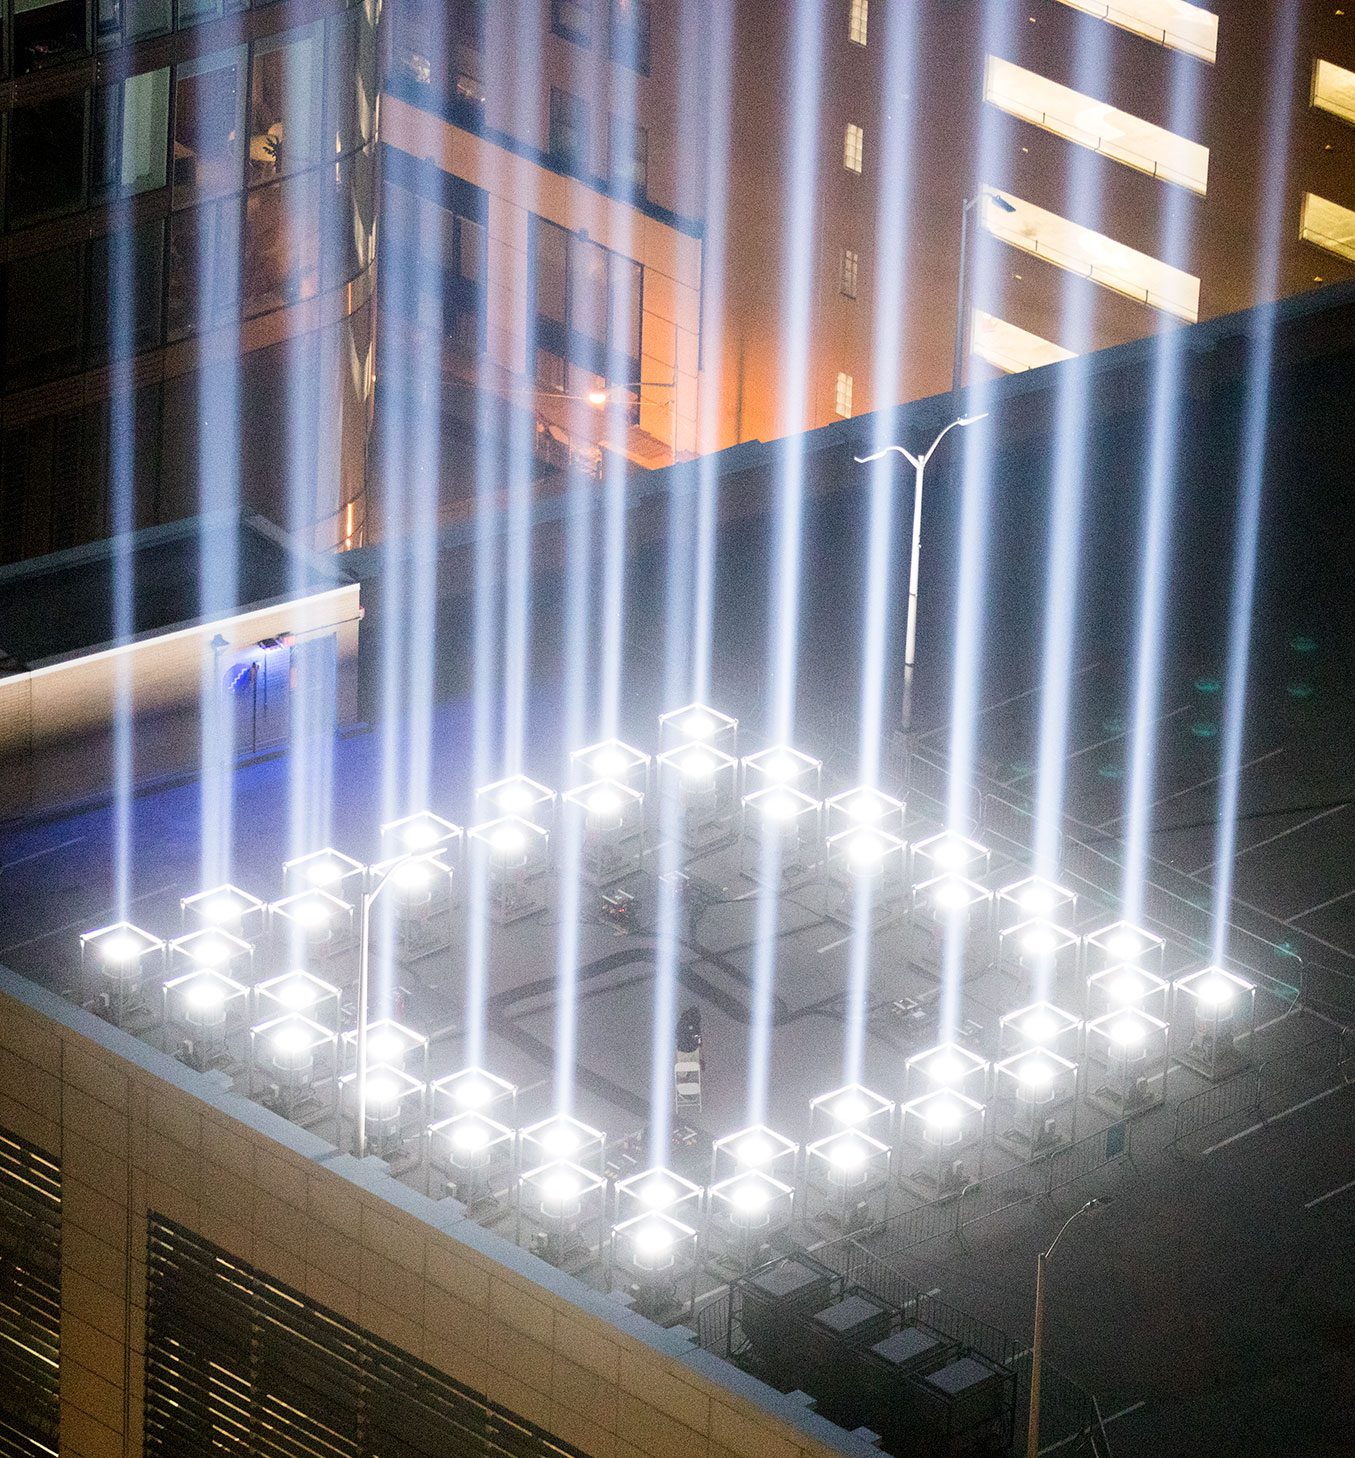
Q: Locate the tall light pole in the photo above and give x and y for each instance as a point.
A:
(919, 465)
(1037, 1341)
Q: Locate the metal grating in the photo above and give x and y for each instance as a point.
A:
(237, 1363)
(30, 1299)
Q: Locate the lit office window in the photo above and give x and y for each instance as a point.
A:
(1171, 23)
(568, 131)
(629, 159)
(1334, 89)
(859, 23)
(853, 148)
(1011, 349)
(849, 271)
(1091, 123)
(1328, 225)
(842, 396)
(1069, 245)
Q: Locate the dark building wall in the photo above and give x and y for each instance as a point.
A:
(225, 163)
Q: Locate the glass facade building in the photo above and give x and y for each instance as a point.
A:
(224, 161)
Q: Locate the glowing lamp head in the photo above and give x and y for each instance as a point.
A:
(382, 1094)
(291, 1040)
(384, 1046)
(945, 1068)
(750, 1197)
(1039, 1026)
(1036, 1074)
(120, 947)
(609, 762)
(943, 1116)
(561, 1187)
(508, 840)
(779, 808)
(656, 1192)
(864, 808)
(222, 909)
(211, 952)
(597, 398)
(419, 835)
(312, 913)
(1215, 994)
(296, 993)
(847, 1155)
(1037, 899)
(204, 995)
(412, 876)
(865, 851)
(698, 725)
(604, 802)
(1039, 941)
(950, 895)
(472, 1093)
(780, 767)
(850, 1108)
(697, 767)
(470, 1137)
(1127, 988)
(652, 1239)
(1127, 1032)
(559, 1139)
(324, 871)
(754, 1150)
(1124, 945)
(948, 853)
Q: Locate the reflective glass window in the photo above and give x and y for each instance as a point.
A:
(48, 32)
(204, 268)
(286, 87)
(132, 260)
(281, 262)
(130, 136)
(43, 343)
(209, 118)
(46, 159)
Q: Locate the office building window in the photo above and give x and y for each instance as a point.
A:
(1328, 225)
(286, 94)
(209, 124)
(588, 309)
(1176, 24)
(853, 148)
(1081, 250)
(48, 32)
(46, 159)
(848, 271)
(134, 261)
(130, 136)
(204, 268)
(1334, 89)
(1091, 123)
(470, 23)
(573, 20)
(629, 157)
(630, 34)
(1011, 349)
(568, 131)
(42, 343)
(859, 22)
(281, 263)
(842, 398)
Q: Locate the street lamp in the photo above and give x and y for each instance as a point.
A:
(919, 465)
(1037, 1341)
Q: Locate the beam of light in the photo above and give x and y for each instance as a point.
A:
(569, 836)
(217, 283)
(798, 304)
(783, 634)
(519, 63)
(622, 307)
(1155, 553)
(1068, 496)
(122, 492)
(976, 486)
(891, 269)
(1252, 467)
(712, 19)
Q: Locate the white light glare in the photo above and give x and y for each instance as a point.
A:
(296, 993)
(560, 1187)
(1036, 1073)
(291, 1039)
(848, 1154)
(750, 1196)
(119, 947)
(1214, 992)
(204, 994)
(1127, 1031)
(943, 1115)
(697, 766)
(652, 1238)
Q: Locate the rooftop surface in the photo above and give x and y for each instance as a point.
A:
(62, 605)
